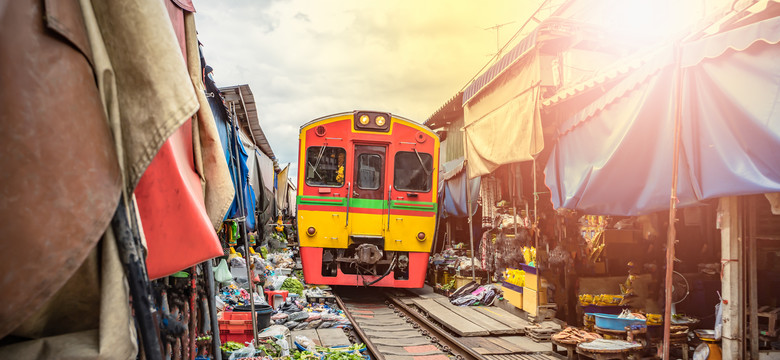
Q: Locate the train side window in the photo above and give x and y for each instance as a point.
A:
(325, 166)
(413, 173)
(369, 171)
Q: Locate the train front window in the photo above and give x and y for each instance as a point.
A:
(325, 166)
(413, 171)
(369, 171)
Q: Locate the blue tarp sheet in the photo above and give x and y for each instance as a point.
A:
(229, 137)
(453, 190)
(615, 156)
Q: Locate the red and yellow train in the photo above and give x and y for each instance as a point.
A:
(367, 184)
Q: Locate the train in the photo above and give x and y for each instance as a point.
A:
(366, 200)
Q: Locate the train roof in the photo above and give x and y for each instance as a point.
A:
(353, 112)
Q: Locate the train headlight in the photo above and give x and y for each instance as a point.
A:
(421, 236)
(380, 120)
(364, 119)
(311, 231)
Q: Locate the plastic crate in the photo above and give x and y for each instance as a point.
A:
(236, 326)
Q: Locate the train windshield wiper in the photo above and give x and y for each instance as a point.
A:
(421, 162)
(319, 157)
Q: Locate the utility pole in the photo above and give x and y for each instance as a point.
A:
(498, 27)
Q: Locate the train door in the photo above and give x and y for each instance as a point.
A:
(368, 194)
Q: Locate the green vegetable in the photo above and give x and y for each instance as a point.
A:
(231, 346)
(292, 285)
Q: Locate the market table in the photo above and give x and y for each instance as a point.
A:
(603, 349)
(610, 333)
(571, 348)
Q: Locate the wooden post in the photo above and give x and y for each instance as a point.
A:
(752, 264)
(730, 282)
(672, 232)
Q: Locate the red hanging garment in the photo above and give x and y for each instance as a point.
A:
(170, 199)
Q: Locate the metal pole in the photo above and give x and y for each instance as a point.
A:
(670, 241)
(131, 254)
(210, 287)
(468, 202)
(514, 195)
(240, 200)
(536, 241)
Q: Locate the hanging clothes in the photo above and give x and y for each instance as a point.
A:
(488, 195)
(60, 182)
(170, 196)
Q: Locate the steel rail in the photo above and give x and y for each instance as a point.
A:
(449, 342)
(369, 345)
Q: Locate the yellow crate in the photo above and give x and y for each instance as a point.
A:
(463, 280)
(531, 275)
(529, 300)
(513, 294)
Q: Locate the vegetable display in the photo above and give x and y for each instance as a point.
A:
(292, 285)
(231, 346)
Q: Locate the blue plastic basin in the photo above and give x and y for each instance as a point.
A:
(613, 322)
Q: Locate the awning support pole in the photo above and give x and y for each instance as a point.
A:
(240, 200)
(468, 202)
(536, 240)
(671, 238)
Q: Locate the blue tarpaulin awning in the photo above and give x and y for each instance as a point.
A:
(452, 190)
(614, 157)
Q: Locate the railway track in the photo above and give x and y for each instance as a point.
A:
(392, 329)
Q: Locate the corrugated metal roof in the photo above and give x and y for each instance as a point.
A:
(595, 81)
(447, 113)
(241, 96)
(498, 68)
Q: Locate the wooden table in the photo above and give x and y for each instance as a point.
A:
(603, 349)
(610, 334)
(571, 349)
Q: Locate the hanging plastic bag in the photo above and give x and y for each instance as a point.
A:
(222, 272)
(719, 318)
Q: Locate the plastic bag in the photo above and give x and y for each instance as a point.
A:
(259, 299)
(278, 281)
(719, 319)
(248, 351)
(285, 347)
(222, 273)
(304, 341)
(219, 304)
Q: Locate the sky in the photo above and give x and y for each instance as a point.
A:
(304, 59)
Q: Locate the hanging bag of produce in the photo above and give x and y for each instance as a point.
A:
(222, 273)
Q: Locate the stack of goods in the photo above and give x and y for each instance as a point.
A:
(512, 286)
(295, 316)
(529, 255)
(602, 304)
(515, 277)
(474, 294)
(540, 333)
(309, 351)
(575, 336)
(231, 296)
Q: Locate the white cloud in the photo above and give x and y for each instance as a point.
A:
(306, 59)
